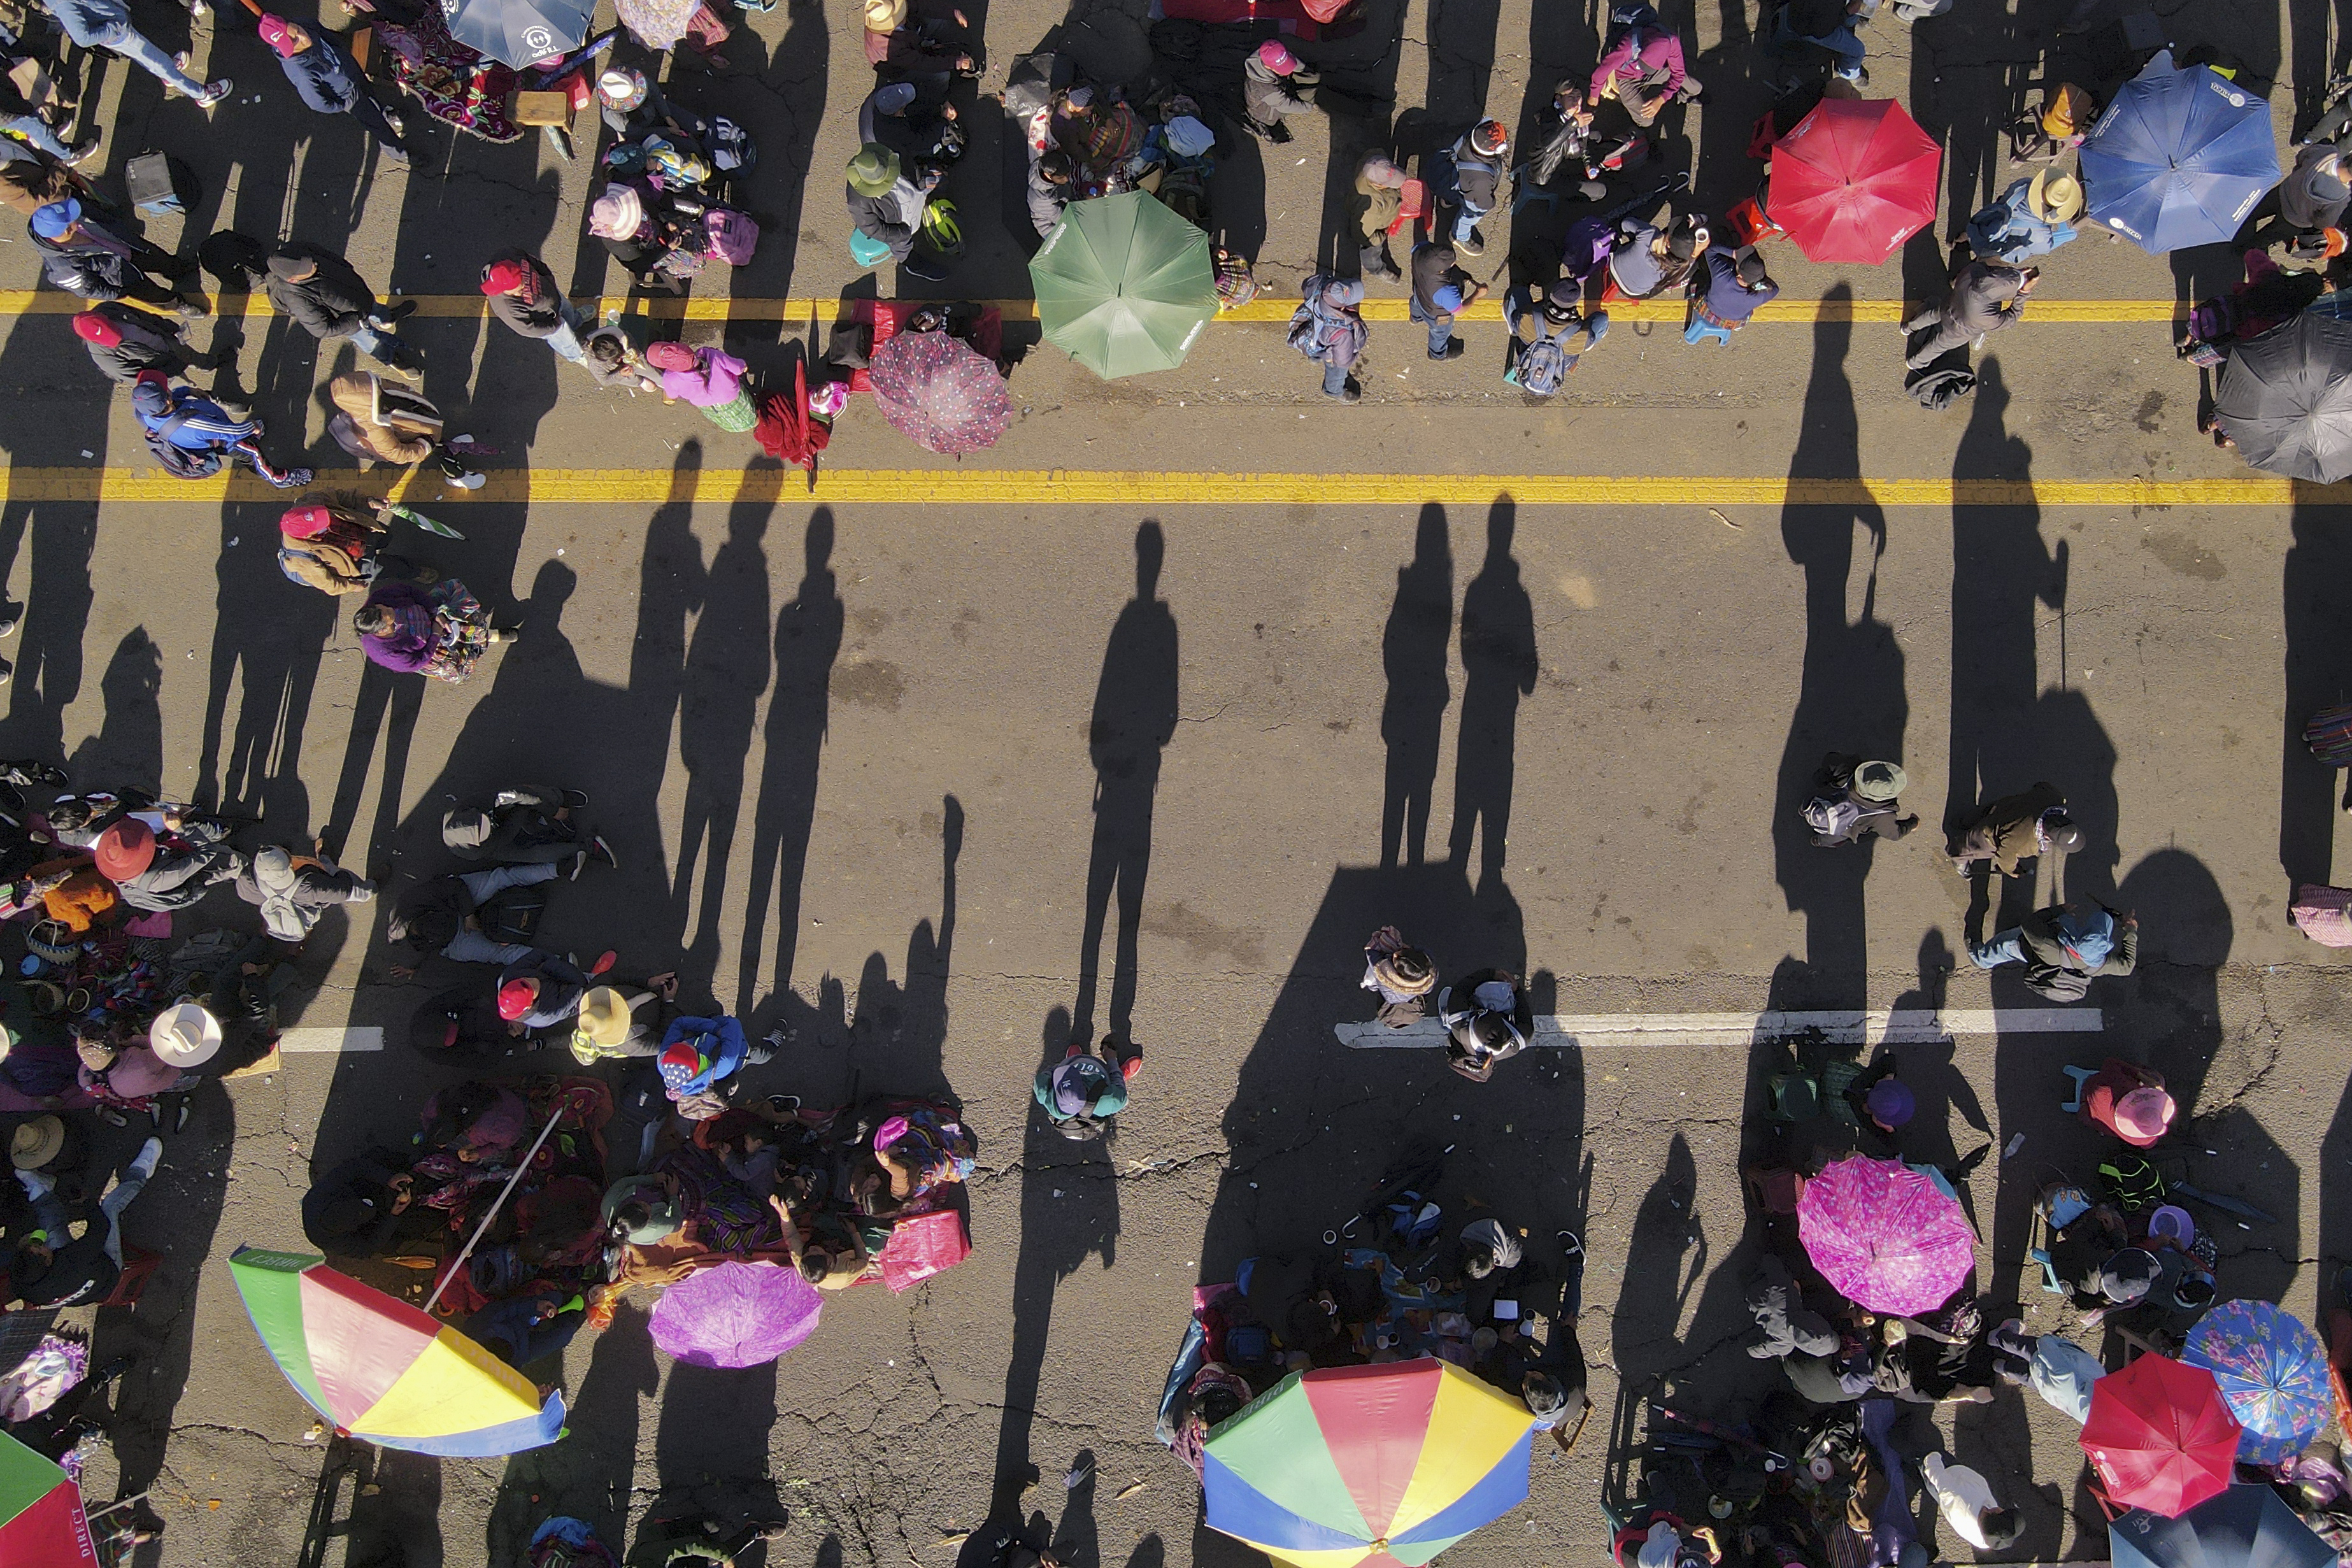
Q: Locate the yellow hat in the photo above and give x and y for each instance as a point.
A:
(2054, 197)
(2065, 109)
(605, 1015)
(885, 15)
(37, 1142)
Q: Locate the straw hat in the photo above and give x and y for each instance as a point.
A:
(1881, 782)
(184, 1035)
(2054, 197)
(605, 1015)
(885, 15)
(37, 1142)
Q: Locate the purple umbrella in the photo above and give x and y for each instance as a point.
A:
(738, 1314)
(1884, 1235)
(940, 391)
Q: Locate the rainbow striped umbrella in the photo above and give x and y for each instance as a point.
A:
(1373, 1464)
(41, 1518)
(380, 1370)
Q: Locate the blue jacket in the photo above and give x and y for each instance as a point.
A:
(323, 77)
(723, 1045)
(2007, 231)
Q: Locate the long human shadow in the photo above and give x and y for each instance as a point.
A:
(808, 640)
(1133, 720)
(1499, 666)
(62, 413)
(710, 1448)
(726, 673)
(1850, 697)
(1413, 653)
(2316, 592)
(591, 1474)
(1359, 96)
(127, 747)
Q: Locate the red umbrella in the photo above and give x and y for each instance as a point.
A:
(1855, 180)
(2160, 1435)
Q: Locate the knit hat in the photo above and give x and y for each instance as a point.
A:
(1561, 301)
(605, 1015)
(2127, 1277)
(305, 521)
(873, 171)
(516, 996)
(503, 277)
(669, 355)
(293, 269)
(51, 222)
(1889, 1102)
(1750, 268)
(273, 31)
(2144, 1115)
(885, 15)
(1488, 138)
(124, 850)
(184, 1035)
(618, 214)
(681, 1064)
(92, 328)
(1276, 58)
(623, 88)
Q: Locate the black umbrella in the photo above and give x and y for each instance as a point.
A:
(2286, 399)
(2242, 1526)
(518, 32)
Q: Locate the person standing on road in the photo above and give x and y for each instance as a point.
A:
(1440, 290)
(330, 543)
(378, 420)
(523, 295)
(1329, 330)
(2062, 947)
(325, 295)
(1379, 205)
(1400, 976)
(195, 436)
(2014, 829)
(82, 256)
(293, 891)
(106, 25)
(329, 82)
(123, 340)
(1270, 80)
(1083, 1091)
(1477, 163)
(1986, 297)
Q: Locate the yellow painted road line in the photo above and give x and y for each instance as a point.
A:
(1069, 487)
(1807, 313)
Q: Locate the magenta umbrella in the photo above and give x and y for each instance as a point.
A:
(940, 391)
(1884, 1235)
(738, 1314)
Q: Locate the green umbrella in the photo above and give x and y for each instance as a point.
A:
(1124, 284)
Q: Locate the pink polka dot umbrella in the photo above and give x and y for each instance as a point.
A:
(941, 392)
(1884, 1235)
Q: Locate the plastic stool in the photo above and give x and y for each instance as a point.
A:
(138, 1264)
(1701, 329)
(1750, 226)
(2081, 1076)
(1792, 1097)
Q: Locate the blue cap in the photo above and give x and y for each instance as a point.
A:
(52, 221)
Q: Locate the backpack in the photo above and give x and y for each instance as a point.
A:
(1542, 367)
(2132, 1182)
(1585, 250)
(2053, 983)
(729, 145)
(732, 236)
(178, 461)
(1832, 816)
(2329, 736)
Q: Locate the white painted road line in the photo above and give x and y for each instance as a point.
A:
(1888, 1027)
(330, 1042)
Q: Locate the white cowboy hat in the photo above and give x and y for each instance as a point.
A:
(184, 1034)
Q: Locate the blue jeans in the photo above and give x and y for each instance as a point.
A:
(1840, 41)
(377, 344)
(1466, 220)
(565, 338)
(1441, 326)
(472, 946)
(35, 132)
(2004, 947)
(106, 25)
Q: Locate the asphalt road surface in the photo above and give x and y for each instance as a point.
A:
(1542, 683)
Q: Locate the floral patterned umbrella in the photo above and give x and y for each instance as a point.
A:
(2271, 1370)
(940, 392)
(1884, 1235)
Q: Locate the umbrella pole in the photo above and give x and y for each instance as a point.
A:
(467, 1251)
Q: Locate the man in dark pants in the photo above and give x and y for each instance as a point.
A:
(83, 257)
(328, 82)
(326, 295)
(1440, 290)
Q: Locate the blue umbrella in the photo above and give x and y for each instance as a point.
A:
(2180, 158)
(2272, 1372)
(2244, 1527)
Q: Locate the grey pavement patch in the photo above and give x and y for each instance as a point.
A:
(1885, 1027)
(330, 1042)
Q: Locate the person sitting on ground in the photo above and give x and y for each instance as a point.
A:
(366, 1207)
(2032, 217)
(1050, 176)
(916, 125)
(2014, 829)
(1783, 1323)
(1966, 1501)
(707, 1543)
(616, 362)
(699, 1056)
(608, 1026)
(1854, 799)
(52, 1268)
(1400, 976)
(887, 199)
(293, 891)
(520, 1330)
(464, 916)
(1487, 1020)
(1083, 1092)
(829, 1250)
(2061, 1370)
(541, 990)
(2056, 129)
(2063, 946)
(1648, 262)
(161, 875)
(523, 824)
(1271, 76)
(1563, 139)
(332, 543)
(643, 1209)
(1642, 68)
(914, 46)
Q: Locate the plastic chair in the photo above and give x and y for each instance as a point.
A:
(1748, 225)
(138, 1266)
(2081, 1077)
(1701, 329)
(1793, 1098)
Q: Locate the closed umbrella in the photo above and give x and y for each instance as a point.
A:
(2180, 158)
(383, 1372)
(2239, 1527)
(518, 32)
(2160, 1435)
(1884, 1235)
(2285, 399)
(1854, 179)
(738, 1314)
(1377, 1465)
(940, 391)
(1124, 286)
(41, 1518)
(2271, 1370)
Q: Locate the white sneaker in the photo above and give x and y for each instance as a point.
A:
(150, 1154)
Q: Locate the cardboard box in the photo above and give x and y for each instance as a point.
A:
(542, 108)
